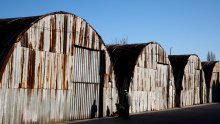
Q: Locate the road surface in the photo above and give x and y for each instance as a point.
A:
(201, 114)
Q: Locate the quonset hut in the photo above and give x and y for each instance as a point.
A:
(145, 71)
(189, 80)
(212, 79)
(52, 68)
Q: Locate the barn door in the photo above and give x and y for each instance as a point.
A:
(86, 82)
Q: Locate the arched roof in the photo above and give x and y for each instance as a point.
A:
(179, 61)
(12, 29)
(124, 58)
(209, 65)
(208, 69)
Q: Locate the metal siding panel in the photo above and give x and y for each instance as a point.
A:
(48, 101)
(78, 25)
(59, 74)
(191, 83)
(90, 37)
(69, 37)
(83, 33)
(150, 82)
(45, 71)
(25, 67)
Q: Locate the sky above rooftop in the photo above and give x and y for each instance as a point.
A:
(182, 26)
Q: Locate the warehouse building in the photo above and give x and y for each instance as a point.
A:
(189, 80)
(145, 71)
(53, 68)
(212, 79)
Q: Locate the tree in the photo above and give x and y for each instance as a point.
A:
(120, 41)
(211, 56)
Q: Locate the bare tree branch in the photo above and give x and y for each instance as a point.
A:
(211, 56)
(120, 41)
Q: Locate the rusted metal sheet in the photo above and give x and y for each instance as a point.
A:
(44, 105)
(54, 69)
(145, 70)
(212, 78)
(189, 80)
(43, 70)
(152, 86)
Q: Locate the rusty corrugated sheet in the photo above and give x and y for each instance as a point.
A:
(53, 70)
(212, 78)
(9, 30)
(189, 80)
(144, 69)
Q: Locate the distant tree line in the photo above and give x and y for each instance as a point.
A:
(120, 41)
(211, 56)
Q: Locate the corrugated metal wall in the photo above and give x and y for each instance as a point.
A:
(212, 75)
(215, 84)
(152, 87)
(55, 71)
(191, 87)
(59, 65)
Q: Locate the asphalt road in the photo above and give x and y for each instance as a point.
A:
(201, 114)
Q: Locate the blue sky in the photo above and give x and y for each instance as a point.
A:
(188, 26)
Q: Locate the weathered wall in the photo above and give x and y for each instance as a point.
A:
(189, 80)
(54, 71)
(145, 71)
(152, 87)
(212, 78)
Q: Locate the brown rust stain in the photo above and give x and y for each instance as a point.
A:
(29, 42)
(100, 43)
(60, 50)
(152, 55)
(31, 69)
(41, 45)
(22, 66)
(65, 34)
(10, 72)
(73, 34)
(53, 34)
(93, 39)
(39, 73)
(46, 70)
(64, 71)
(86, 37)
(145, 60)
(49, 78)
(81, 35)
(24, 42)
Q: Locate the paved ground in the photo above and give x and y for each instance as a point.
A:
(202, 114)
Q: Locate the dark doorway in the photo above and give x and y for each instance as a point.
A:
(102, 74)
